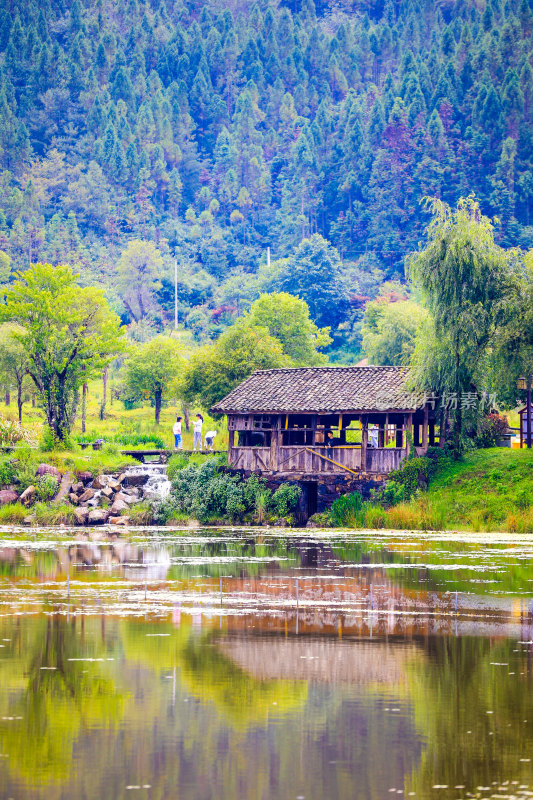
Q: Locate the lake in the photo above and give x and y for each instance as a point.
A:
(261, 664)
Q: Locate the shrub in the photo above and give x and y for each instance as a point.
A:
(8, 470)
(13, 514)
(140, 514)
(375, 517)
(347, 510)
(47, 486)
(285, 499)
(61, 514)
(490, 429)
(12, 432)
(175, 463)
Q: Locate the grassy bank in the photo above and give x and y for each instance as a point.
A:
(487, 490)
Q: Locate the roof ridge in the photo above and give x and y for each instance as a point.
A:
(329, 367)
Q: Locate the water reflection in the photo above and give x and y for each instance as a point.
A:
(366, 684)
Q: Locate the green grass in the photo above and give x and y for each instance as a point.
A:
(120, 422)
(487, 490)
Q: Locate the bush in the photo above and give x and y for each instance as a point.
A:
(175, 464)
(205, 491)
(47, 486)
(61, 514)
(8, 470)
(12, 432)
(490, 429)
(140, 514)
(285, 499)
(13, 514)
(347, 510)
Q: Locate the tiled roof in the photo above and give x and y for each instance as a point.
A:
(320, 389)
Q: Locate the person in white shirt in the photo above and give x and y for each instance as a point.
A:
(197, 428)
(210, 435)
(176, 430)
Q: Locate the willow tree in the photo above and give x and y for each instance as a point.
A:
(69, 334)
(463, 275)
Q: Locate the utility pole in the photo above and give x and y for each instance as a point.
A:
(528, 411)
(175, 294)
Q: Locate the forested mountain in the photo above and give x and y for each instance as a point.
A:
(213, 130)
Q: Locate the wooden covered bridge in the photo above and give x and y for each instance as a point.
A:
(317, 421)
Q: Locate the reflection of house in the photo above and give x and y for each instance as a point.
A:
(315, 421)
(321, 660)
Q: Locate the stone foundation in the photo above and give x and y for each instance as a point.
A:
(328, 487)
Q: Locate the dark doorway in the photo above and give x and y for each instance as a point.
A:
(309, 498)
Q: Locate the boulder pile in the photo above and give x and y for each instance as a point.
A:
(104, 499)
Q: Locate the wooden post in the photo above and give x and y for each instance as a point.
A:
(231, 445)
(275, 438)
(364, 441)
(408, 422)
(431, 431)
(381, 434)
(399, 435)
(425, 429)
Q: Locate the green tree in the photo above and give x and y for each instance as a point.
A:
(287, 319)
(218, 368)
(139, 271)
(69, 334)
(14, 362)
(314, 273)
(462, 273)
(389, 331)
(152, 368)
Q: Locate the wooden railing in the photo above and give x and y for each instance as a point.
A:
(317, 460)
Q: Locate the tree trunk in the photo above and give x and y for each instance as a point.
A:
(104, 396)
(458, 420)
(185, 411)
(19, 399)
(33, 400)
(8, 396)
(84, 407)
(157, 405)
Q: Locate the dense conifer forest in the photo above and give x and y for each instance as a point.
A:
(133, 133)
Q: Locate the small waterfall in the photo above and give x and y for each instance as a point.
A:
(151, 479)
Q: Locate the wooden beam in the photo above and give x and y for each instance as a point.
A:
(364, 441)
(425, 428)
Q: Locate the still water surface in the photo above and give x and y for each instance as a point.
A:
(247, 664)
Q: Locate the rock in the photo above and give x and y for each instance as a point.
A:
(81, 514)
(131, 491)
(87, 495)
(85, 477)
(47, 469)
(79, 487)
(28, 495)
(126, 498)
(74, 499)
(136, 480)
(114, 485)
(29, 520)
(122, 521)
(121, 478)
(107, 491)
(8, 496)
(98, 516)
(64, 488)
(118, 507)
(100, 481)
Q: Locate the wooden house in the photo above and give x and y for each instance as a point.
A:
(319, 421)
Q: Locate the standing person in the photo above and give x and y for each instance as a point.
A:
(176, 430)
(197, 427)
(210, 435)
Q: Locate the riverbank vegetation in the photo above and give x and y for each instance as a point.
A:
(486, 490)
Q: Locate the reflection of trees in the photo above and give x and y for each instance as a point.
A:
(451, 694)
(56, 697)
(211, 676)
